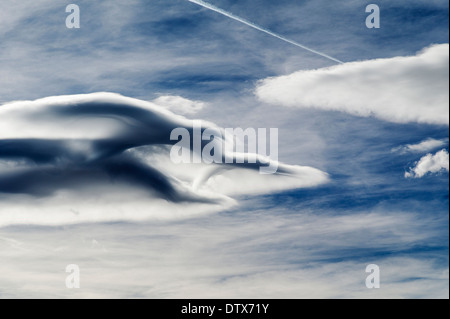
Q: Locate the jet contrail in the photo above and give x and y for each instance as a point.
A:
(257, 27)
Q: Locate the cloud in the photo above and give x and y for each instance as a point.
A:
(427, 145)
(430, 164)
(255, 26)
(290, 247)
(400, 89)
(110, 148)
(288, 254)
(180, 105)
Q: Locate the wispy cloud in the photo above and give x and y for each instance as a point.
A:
(251, 254)
(427, 145)
(257, 27)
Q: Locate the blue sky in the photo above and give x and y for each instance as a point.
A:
(298, 243)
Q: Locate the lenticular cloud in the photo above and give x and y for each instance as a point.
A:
(104, 157)
(400, 89)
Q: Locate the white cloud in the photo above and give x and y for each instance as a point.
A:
(400, 89)
(430, 164)
(248, 254)
(74, 151)
(422, 147)
(180, 105)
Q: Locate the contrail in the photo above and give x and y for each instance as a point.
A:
(257, 27)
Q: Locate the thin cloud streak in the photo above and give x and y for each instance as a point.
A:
(427, 145)
(257, 27)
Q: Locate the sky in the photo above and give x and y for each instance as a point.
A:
(86, 177)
